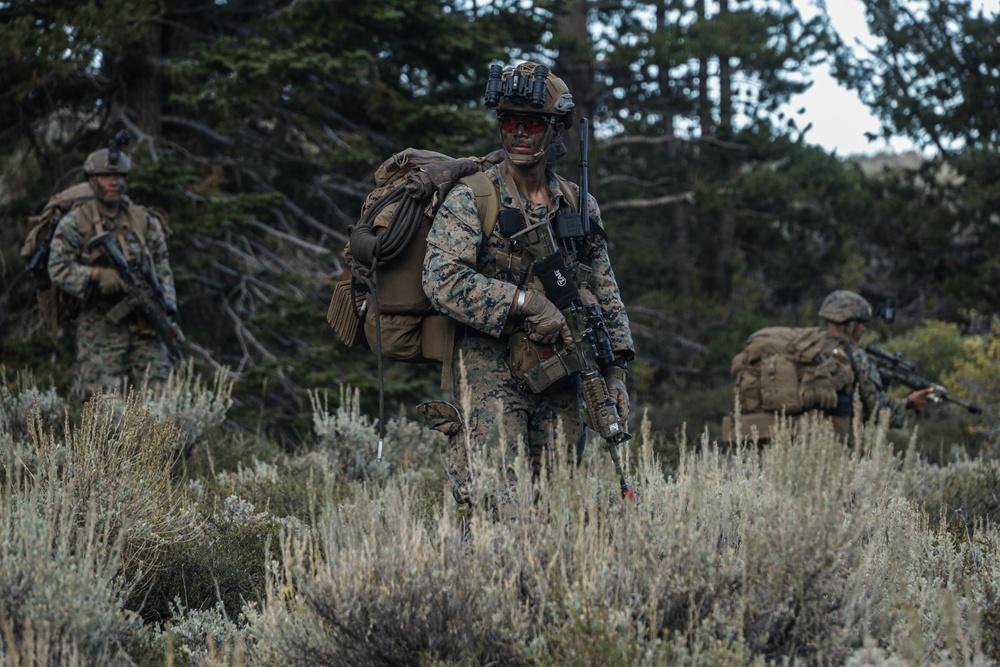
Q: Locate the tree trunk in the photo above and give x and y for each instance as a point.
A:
(575, 64)
(725, 85)
(677, 214)
(145, 84)
(704, 102)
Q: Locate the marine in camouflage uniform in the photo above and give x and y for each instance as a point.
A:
(846, 314)
(476, 281)
(112, 344)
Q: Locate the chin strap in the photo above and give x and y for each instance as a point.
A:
(522, 160)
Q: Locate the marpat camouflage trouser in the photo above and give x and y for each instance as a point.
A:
(107, 353)
(531, 418)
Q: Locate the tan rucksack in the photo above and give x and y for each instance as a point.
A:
(776, 361)
(382, 305)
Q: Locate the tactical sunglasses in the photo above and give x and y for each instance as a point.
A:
(532, 124)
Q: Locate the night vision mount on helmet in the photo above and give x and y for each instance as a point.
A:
(110, 160)
(528, 87)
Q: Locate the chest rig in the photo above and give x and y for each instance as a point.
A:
(503, 260)
(131, 218)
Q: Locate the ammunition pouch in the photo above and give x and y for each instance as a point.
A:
(535, 366)
(118, 312)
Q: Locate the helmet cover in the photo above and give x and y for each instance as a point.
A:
(843, 306)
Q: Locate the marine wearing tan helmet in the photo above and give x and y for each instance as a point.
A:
(843, 306)
(518, 89)
(106, 171)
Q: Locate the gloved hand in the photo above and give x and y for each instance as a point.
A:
(615, 379)
(109, 282)
(818, 392)
(919, 399)
(548, 324)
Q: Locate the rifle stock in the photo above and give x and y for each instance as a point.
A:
(142, 294)
(895, 368)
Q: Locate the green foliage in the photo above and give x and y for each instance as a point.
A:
(224, 565)
(960, 495)
(936, 347)
(977, 378)
(932, 76)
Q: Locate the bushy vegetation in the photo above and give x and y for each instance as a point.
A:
(804, 552)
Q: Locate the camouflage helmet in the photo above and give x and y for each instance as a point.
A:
(520, 88)
(103, 161)
(843, 306)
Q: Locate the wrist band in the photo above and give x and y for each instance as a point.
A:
(519, 305)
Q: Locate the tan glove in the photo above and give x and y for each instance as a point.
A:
(919, 399)
(108, 281)
(615, 379)
(548, 324)
(818, 391)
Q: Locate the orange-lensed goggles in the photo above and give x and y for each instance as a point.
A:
(532, 124)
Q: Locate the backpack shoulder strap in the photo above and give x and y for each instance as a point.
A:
(487, 199)
(138, 221)
(569, 191)
(88, 220)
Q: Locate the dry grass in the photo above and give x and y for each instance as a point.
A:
(806, 552)
(802, 553)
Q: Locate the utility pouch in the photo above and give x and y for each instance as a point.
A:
(437, 338)
(400, 335)
(342, 314)
(118, 312)
(524, 354)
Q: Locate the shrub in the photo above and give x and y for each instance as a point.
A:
(192, 405)
(977, 378)
(936, 347)
(348, 441)
(201, 635)
(118, 458)
(20, 399)
(804, 552)
(61, 593)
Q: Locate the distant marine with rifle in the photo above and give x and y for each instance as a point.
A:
(544, 335)
(109, 256)
(816, 372)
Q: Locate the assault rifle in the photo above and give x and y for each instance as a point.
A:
(143, 293)
(894, 368)
(591, 352)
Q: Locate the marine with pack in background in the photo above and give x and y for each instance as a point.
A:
(846, 315)
(489, 282)
(109, 254)
(794, 372)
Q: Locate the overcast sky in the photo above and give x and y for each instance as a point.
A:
(839, 118)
